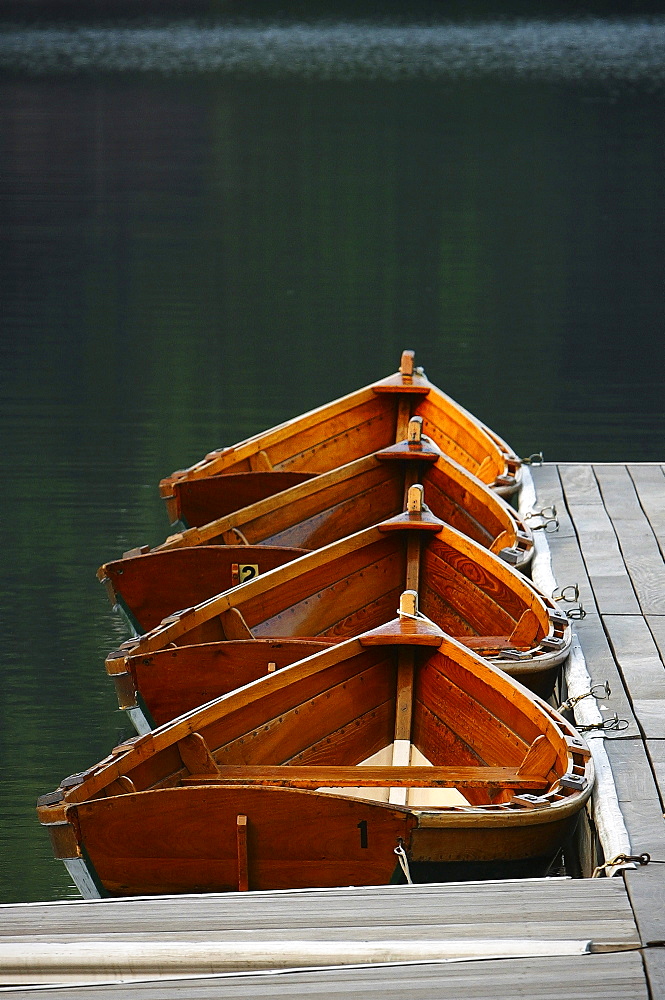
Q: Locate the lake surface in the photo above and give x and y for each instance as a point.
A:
(212, 224)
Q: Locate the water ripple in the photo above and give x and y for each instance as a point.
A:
(589, 50)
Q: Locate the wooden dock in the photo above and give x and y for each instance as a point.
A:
(610, 542)
(573, 938)
(529, 917)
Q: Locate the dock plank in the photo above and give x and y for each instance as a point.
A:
(549, 492)
(533, 908)
(646, 890)
(569, 567)
(656, 753)
(639, 546)
(654, 964)
(613, 587)
(638, 797)
(618, 976)
(637, 655)
(602, 668)
(598, 542)
(579, 484)
(618, 492)
(648, 482)
(656, 624)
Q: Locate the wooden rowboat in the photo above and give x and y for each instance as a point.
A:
(145, 589)
(193, 565)
(466, 775)
(359, 424)
(354, 584)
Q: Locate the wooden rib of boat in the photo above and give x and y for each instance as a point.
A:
(359, 424)
(353, 585)
(191, 566)
(398, 743)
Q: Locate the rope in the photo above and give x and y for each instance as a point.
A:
(622, 859)
(419, 616)
(404, 862)
(607, 725)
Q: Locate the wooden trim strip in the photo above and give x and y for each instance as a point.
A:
(317, 776)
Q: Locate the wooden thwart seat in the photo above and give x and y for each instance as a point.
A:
(483, 643)
(308, 776)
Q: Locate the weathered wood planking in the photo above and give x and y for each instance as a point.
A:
(621, 510)
(638, 796)
(654, 963)
(656, 746)
(602, 668)
(583, 977)
(648, 482)
(536, 909)
(656, 752)
(641, 666)
(533, 909)
(646, 892)
(579, 484)
(569, 567)
(640, 550)
(550, 492)
(612, 586)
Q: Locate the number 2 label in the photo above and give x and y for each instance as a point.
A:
(247, 571)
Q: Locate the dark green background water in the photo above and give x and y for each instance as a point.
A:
(211, 225)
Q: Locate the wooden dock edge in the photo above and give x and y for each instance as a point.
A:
(610, 543)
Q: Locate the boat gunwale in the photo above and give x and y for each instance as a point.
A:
(177, 625)
(498, 507)
(505, 480)
(168, 735)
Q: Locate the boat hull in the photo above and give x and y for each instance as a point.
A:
(354, 585)
(399, 745)
(185, 840)
(351, 427)
(147, 588)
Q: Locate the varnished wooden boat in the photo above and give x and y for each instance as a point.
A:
(354, 584)
(466, 775)
(362, 423)
(193, 565)
(145, 589)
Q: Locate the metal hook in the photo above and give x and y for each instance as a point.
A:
(592, 693)
(548, 511)
(576, 613)
(605, 688)
(563, 595)
(535, 459)
(613, 724)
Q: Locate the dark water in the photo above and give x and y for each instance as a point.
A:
(211, 224)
